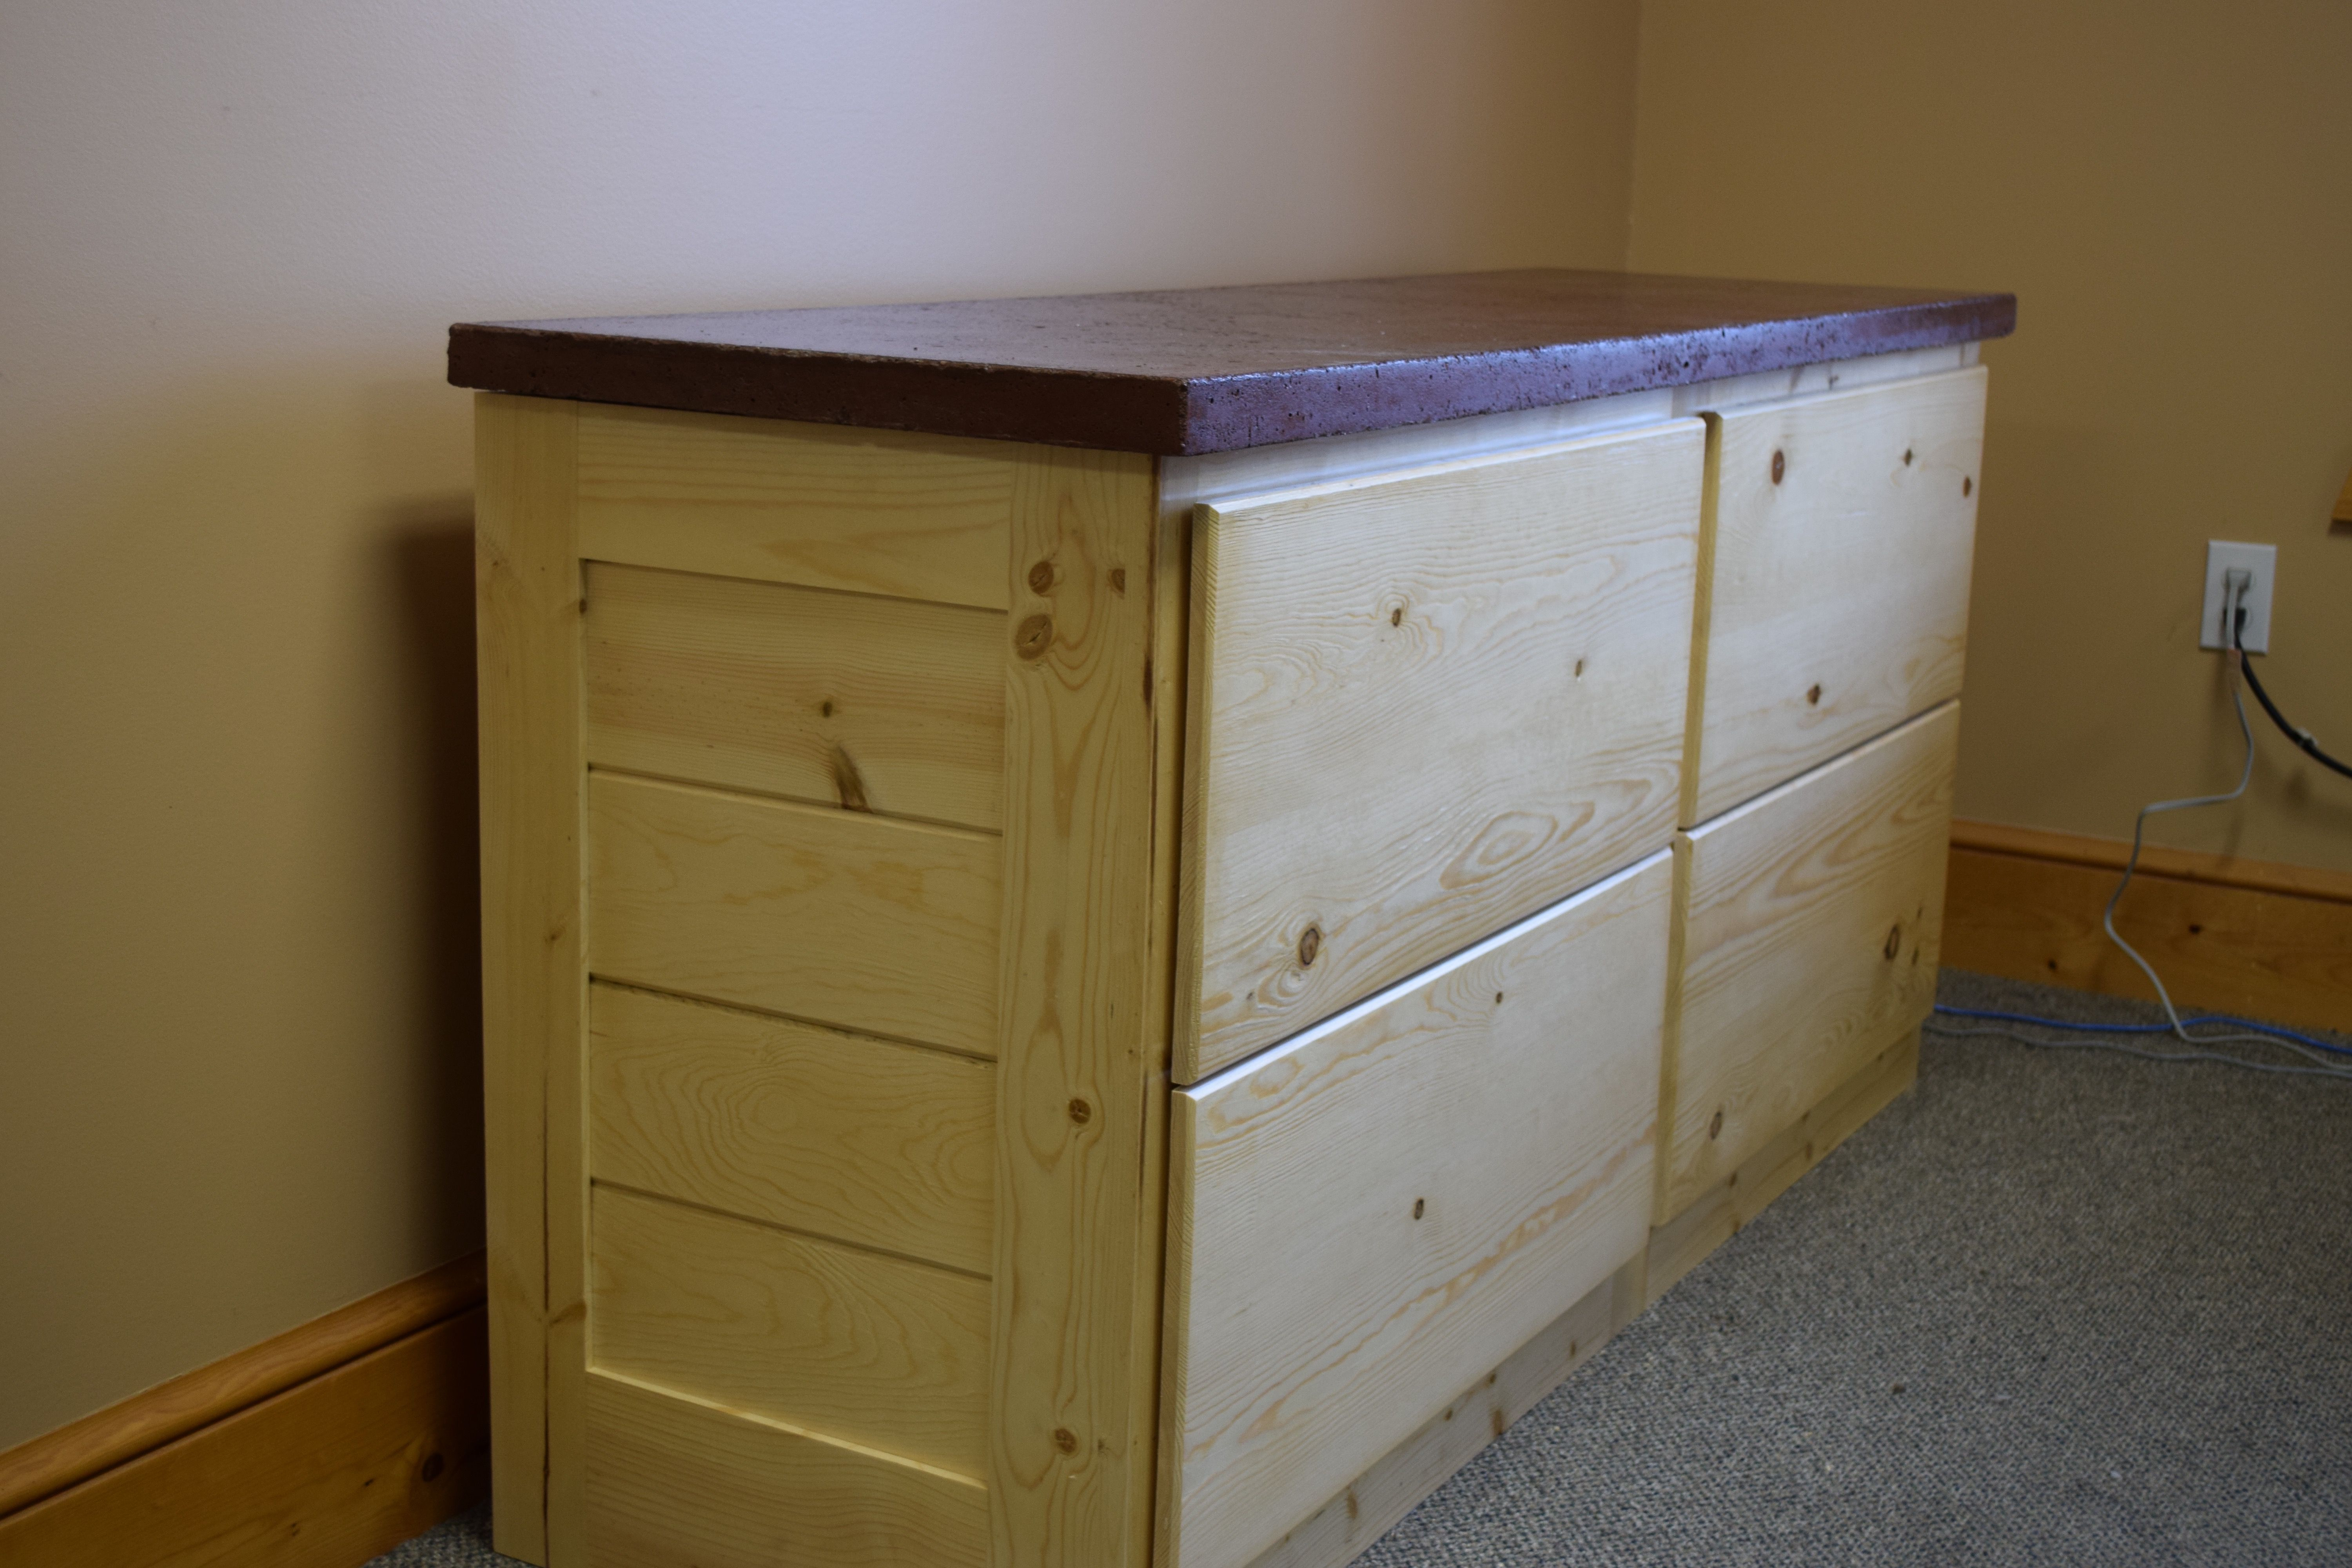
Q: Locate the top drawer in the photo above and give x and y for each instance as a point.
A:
(1835, 596)
(1424, 705)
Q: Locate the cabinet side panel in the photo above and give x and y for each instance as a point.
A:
(526, 580)
(1079, 1042)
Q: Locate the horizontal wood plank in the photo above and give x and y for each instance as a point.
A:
(866, 1141)
(325, 1474)
(2155, 860)
(1837, 581)
(677, 1483)
(1431, 1178)
(873, 511)
(1813, 923)
(871, 704)
(879, 1352)
(833, 916)
(1426, 706)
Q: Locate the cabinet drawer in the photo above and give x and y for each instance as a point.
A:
(1424, 705)
(1811, 921)
(1834, 602)
(1378, 1211)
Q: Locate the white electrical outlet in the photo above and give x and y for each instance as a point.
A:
(2258, 560)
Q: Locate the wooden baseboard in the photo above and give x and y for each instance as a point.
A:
(318, 1449)
(2248, 937)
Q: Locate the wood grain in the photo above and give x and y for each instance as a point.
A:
(1342, 1529)
(2155, 860)
(1077, 1220)
(677, 1483)
(2226, 947)
(866, 1141)
(324, 1474)
(1425, 706)
(1728, 1206)
(1838, 578)
(1511, 1096)
(821, 915)
(1813, 920)
(873, 511)
(879, 1352)
(881, 705)
(527, 584)
(49, 1464)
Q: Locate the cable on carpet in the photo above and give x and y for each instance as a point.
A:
(2247, 1031)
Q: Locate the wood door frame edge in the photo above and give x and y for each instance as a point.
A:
(40, 1467)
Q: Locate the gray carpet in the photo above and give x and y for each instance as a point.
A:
(2052, 1307)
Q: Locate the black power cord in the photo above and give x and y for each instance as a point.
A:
(2302, 738)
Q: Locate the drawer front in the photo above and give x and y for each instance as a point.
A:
(1834, 602)
(1812, 919)
(1380, 1211)
(1424, 706)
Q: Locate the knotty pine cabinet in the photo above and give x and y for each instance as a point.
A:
(1117, 928)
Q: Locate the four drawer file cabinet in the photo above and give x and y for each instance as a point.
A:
(1117, 928)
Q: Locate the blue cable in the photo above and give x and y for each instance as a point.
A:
(2147, 1028)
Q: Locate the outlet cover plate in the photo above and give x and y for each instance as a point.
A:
(2262, 560)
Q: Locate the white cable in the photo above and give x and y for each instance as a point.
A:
(2234, 588)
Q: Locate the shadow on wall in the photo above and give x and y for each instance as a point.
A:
(429, 553)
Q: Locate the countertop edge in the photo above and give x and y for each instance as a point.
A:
(1168, 416)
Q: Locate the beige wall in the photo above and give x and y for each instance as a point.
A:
(235, 624)
(2168, 188)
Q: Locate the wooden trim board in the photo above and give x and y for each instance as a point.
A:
(318, 1449)
(2249, 937)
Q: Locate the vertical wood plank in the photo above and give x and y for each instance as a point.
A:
(526, 580)
(1084, 1020)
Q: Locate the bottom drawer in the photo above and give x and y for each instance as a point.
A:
(1811, 916)
(1379, 1211)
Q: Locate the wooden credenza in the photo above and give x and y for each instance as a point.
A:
(1117, 928)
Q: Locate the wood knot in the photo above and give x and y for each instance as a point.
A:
(1780, 465)
(824, 709)
(1065, 1439)
(432, 1469)
(1894, 941)
(1081, 1112)
(1310, 942)
(1967, 485)
(1814, 696)
(1396, 617)
(1118, 579)
(1906, 456)
(1041, 577)
(1715, 1127)
(1498, 998)
(1420, 1207)
(847, 783)
(1033, 637)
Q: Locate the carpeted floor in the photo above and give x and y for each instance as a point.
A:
(2052, 1307)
